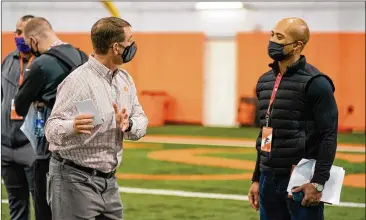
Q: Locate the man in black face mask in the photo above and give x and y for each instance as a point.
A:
(299, 119)
(87, 148)
(55, 59)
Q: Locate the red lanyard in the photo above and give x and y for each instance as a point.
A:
(21, 74)
(273, 96)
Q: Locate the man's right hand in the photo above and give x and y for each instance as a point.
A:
(83, 124)
(253, 196)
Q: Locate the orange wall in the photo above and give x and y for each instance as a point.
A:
(174, 63)
(339, 55)
(170, 62)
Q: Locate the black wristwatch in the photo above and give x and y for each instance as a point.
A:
(130, 123)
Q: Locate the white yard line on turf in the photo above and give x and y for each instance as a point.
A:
(201, 195)
(178, 193)
(224, 143)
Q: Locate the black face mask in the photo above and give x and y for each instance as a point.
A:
(275, 51)
(129, 53)
(35, 53)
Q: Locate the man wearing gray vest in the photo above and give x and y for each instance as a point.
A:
(17, 157)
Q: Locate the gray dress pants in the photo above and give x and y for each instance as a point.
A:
(73, 194)
(18, 175)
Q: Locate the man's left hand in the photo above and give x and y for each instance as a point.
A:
(121, 118)
(125, 123)
(311, 195)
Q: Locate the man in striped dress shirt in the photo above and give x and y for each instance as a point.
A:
(85, 154)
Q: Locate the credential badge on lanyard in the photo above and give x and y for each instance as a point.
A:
(267, 131)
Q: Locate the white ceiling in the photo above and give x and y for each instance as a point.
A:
(150, 6)
(180, 6)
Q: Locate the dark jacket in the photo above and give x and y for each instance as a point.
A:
(11, 135)
(41, 82)
(303, 118)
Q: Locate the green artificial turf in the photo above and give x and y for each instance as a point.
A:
(150, 207)
(245, 132)
(154, 207)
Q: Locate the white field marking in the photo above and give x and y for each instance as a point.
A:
(201, 195)
(179, 193)
(164, 192)
(224, 142)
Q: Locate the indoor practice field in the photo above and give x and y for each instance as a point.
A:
(199, 78)
(192, 172)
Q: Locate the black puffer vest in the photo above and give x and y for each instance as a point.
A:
(291, 118)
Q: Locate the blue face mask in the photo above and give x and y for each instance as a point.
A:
(21, 45)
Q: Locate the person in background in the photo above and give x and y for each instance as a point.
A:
(40, 85)
(85, 152)
(299, 119)
(17, 156)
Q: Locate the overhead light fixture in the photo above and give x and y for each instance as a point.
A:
(218, 5)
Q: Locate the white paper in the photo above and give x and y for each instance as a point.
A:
(28, 127)
(334, 186)
(303, 173)
(88, 107)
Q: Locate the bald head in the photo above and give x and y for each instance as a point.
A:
(295, 29)
(39, 27)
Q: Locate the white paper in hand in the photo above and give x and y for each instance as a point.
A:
(303, 173)
(88, 107)
(28, 127)
(333, 187)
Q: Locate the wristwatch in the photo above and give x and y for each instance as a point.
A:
(318, 187)
(130, 123)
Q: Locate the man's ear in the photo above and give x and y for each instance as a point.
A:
(115, 49)
(32, 39)
(300, 45)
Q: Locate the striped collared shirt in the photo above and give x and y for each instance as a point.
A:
(102, 149)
